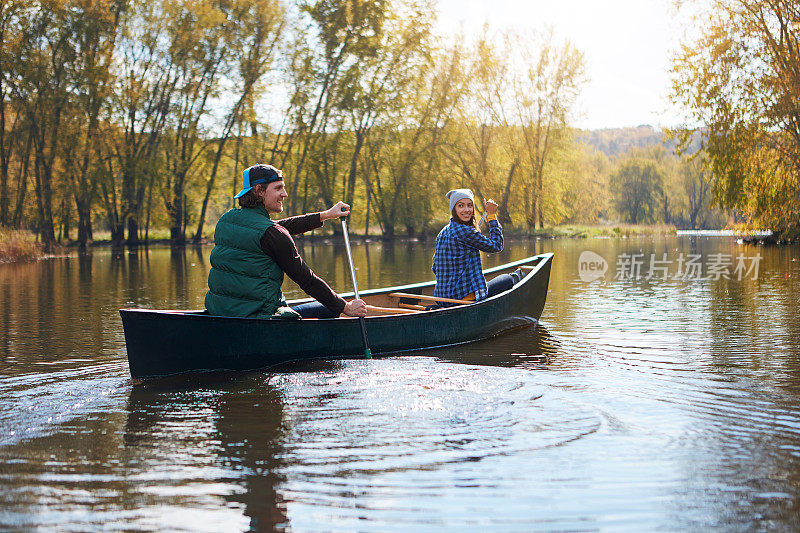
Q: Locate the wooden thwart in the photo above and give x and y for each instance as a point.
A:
(389, 310)
(429, 298)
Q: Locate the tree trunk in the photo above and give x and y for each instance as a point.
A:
(503, 213)
(133, 231)
(149, 209)
(388, 231)
(351, 178)
(117, 234)
(176, 235)
(84, 222)
(176, 209)
(66, 215)
(198, 235)
(4, 159)
(539, 196)
(209, 186)
(366, 217)
(22, 184)
(44, 199)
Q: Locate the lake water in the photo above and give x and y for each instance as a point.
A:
(668, 403)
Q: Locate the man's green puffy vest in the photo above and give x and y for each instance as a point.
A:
(243, 281)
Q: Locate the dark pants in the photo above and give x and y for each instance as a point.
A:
(314, 310)
(502, 283)
(496, 285)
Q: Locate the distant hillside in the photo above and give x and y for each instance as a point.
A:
(615, 141)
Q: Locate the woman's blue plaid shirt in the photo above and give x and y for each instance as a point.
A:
(457, 259)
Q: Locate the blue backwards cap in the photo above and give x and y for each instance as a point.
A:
(256, 174)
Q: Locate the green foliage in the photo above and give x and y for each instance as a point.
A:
(637, 184)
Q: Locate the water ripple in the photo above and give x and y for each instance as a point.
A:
(367, 419)
(31, 404)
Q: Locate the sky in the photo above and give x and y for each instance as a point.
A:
(627, 45)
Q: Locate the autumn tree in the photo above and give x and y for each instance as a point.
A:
(342, 34)
(403, 162)
(578, 188)
(517, 114)
(196, 54)
(636, 185)
(546, 79)
(44, 69)
(13, 15)
(477, 141)
(254, 29)
(144, 84)
(375, 88)
(95, 34)
(697, 183)
(739, 78)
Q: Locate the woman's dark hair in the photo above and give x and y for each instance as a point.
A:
(470, 222)
(251, 198)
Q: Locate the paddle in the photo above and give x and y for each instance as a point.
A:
(367, 351)
(484, 214)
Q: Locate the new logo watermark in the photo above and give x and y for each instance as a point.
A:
(592, 266)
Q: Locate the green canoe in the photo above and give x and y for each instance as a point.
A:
(162, 343)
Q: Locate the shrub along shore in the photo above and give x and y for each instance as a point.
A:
(19, 245)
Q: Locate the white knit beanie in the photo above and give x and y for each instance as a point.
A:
(458, 194)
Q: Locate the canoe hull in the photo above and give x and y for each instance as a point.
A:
(161, 343)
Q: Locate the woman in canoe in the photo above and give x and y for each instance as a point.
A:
(457, 259)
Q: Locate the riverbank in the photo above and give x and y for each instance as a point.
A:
(574, 231)
(580, 231)
(16, 245)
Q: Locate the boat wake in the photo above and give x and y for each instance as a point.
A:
(32, 404)
(415, 413)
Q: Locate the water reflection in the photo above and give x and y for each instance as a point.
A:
(236, 418)
(530, 348)
(635, 404)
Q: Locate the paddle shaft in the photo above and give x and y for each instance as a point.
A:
(367, 351)
(484, 213)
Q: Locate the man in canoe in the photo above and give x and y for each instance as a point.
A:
(252, 253)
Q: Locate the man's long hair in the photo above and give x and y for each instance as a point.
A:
(252, 197)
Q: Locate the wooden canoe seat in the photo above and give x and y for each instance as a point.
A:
(412, 306)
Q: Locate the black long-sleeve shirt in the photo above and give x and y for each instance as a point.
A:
(277, 243)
